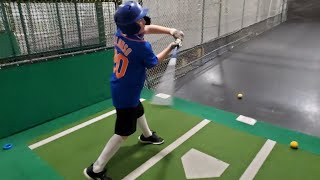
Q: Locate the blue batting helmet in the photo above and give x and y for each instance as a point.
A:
(126, 16)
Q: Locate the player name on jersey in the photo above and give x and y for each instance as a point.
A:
(122, 45)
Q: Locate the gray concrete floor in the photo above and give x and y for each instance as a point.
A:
(278, 72)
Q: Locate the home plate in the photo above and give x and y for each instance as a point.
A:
(246, 120)
(162, 99)
(197, 164)
(163, 96)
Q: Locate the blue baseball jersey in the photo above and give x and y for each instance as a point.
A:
(132, 56)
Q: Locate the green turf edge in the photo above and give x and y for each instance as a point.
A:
(81, 115)
(262, 129)
(23, 163)
(20, 162)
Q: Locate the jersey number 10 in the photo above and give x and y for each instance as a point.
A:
(120, 59)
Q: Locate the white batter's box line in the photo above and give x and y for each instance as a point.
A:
(73, 129)
(258, 160)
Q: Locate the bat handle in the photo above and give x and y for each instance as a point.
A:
(174, 52)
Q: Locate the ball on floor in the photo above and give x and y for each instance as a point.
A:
(294, 144)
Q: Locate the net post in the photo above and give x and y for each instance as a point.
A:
(220, 11)
(202, 19)
(78, 23)
(100, 21)
(31, 22)
(282, 6)
(60, 24)
(24, 28)
(243, 11)
(258, 12)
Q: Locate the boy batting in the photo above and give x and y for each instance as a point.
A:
(132, 56)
